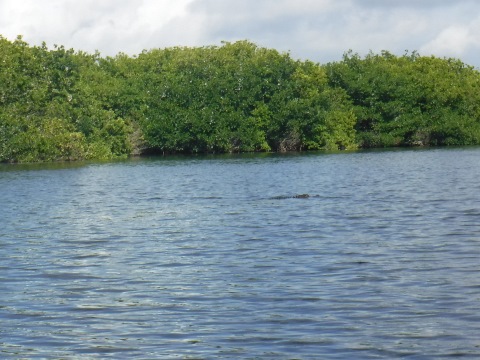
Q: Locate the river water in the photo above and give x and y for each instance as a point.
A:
(214, 258)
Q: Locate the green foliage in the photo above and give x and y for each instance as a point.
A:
(317, 116)
(410, 100)
(236, 98)
(55, 105)
(61, 104)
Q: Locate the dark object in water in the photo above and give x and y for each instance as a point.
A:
(298, 196)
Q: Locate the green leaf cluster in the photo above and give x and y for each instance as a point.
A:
(410, 100)
(54, 105)
(60, 104)
(236, 98)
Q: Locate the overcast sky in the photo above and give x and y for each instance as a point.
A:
(319, 30)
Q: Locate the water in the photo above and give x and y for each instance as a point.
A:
(209, 258)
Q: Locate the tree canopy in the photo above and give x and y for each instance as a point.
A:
(410, 100)
(62, 104)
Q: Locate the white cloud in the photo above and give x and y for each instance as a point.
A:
(320, 30)
(408, 3)
(152, 13)
(110, 26)
(452, 41)
(459, 41)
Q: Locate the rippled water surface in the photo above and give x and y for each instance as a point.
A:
(212, 257)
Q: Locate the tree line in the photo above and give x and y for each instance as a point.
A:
(62, 104)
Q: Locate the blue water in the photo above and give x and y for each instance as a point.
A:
(212, 258)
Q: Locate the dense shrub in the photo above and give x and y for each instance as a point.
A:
(59, 104)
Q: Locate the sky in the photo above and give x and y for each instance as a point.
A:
(317, 30)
